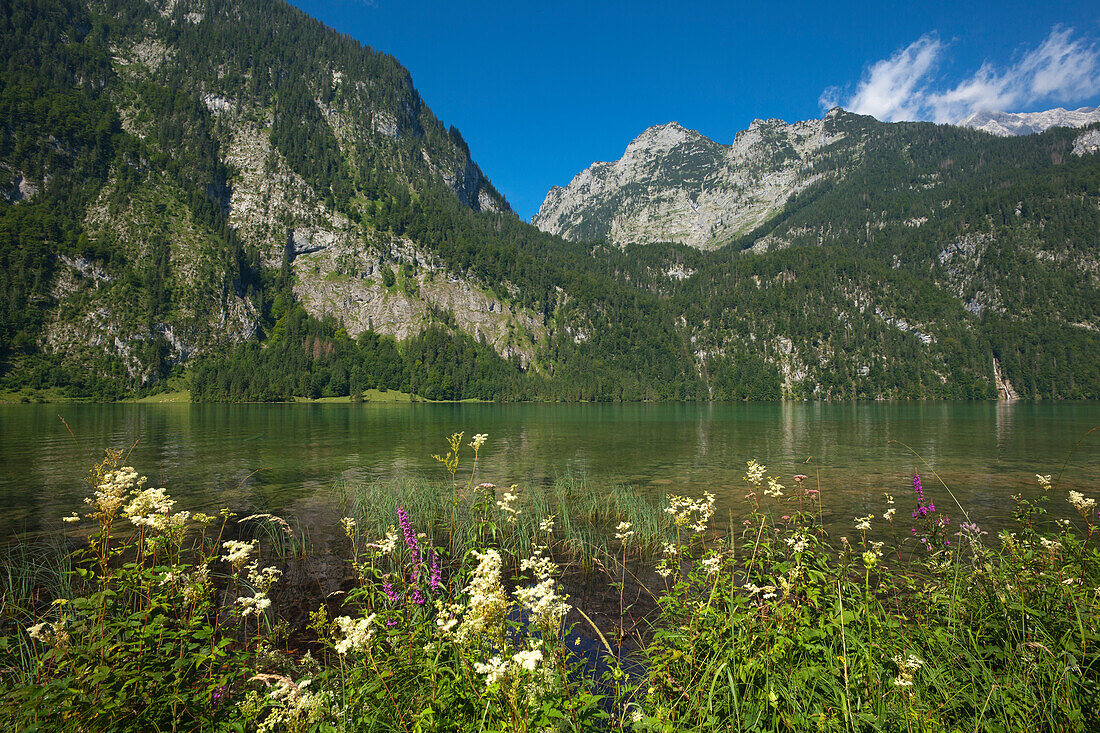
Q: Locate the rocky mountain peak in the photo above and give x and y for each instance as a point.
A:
(1006, 124)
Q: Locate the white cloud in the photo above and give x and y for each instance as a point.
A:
(1061, 70)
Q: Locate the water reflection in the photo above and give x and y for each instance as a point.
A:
(286, 458)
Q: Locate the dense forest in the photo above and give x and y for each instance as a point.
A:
(156, 161)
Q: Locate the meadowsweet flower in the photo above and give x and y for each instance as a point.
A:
(863, 524)
(110, 494)
(754, 474)
(237, 553)
(1044, 481)
(907, 667)
(263, 579)
(528, 659)
(1081, 503)
(478, 441)
(712, 564)
(149, 508)
(488, 602)
(547, 525)
(876, 547)
(494, 669)
(775, 489)
(349, 527)
(355, 633)
(888, 515)
(690, 513)
(71, 519)
(541, 599)
(254, 605)
(798, 543)
(623, 531)
(506, 504)
(1049, 544)
(389, 544)
(663, 569)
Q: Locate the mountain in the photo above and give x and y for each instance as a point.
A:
(955, 252)
(1028, 123)
(674, 184)
(229, 196)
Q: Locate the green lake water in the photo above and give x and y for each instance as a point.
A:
(287, 459)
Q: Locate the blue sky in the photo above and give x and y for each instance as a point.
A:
(540, 91)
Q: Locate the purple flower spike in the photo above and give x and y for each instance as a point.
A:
(435, 571)
(387, 588)
(417, 596)
(410, 535)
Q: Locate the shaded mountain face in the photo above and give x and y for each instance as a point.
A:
(1029, 123)
(673, 184)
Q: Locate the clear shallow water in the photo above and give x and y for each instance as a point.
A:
(287, 458)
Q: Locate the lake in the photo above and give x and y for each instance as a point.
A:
(287, 458)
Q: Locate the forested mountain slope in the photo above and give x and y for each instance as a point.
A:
(226, 192)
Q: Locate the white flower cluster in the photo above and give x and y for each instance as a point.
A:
(547, 608)
(624, 531)
(1049, 544)
(488, 603)
(547, 525)
(907, 666)
(296, 708)
(447, 616)
(863, 524)
(49, 633)
(478, 441)
(688, 512)
(109, 496)
(507, 505)
(152, 508)
(497, 668)
(775, 489)
(1081, 503)
(355, 632)
(754, 474)
(263, 579)
(1044, 480)
(254, 605)
(349, 527)
(712, 564)
(768, 591)
(798, 543)
(237, 553)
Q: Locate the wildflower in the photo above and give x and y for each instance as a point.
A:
(663, 569)
(888, 515)
(237, 553)
(435, 573)
(478, 441)
(254, 605)
(870, 560)
(71, 519)
(637, 716)
(493, 670)
(798, 543)
(389, 544)
(356, 633)
(149, 508)
(863, 524)
(670, 549)
(547, 525)
(924, 505)
(53, 634)
(775, 489)
(387, 588)
(1049, 544)
(410, 535)
(263, 579)
(506, 505)
(690, 513)
(799, 478)
(110, 494)
(754, 474)
(1064, 524)
(876, 547)
(528, 659)
(488, 603)
(1081, 503)
(712, 564)
(624, 532)
(349, 527)
(907, 666)
(1044, 481)
(546, 606)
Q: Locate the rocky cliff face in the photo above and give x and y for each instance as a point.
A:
(674, 184)
(1006, 124)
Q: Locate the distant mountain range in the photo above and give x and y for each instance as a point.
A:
(1029, 123)
(229, 196)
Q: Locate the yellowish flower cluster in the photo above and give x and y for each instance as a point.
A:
(356, 633)
(488, 603)
(1081, 503)
(237, 553)
(767, 591)
(907, 667)
(110, 494)
(624, 531)
(53, 634)
(547, 608)
(507, 505)
(690, 513)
